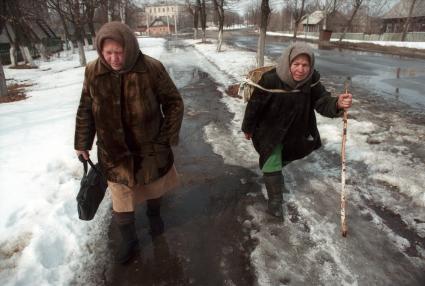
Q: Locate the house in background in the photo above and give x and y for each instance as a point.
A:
(38, 32)
(317, 21)
(395, 19)
(160, 27)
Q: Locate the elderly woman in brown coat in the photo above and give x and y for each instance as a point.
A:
(131, 103)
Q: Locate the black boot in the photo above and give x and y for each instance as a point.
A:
(129, 243)
(154, 215)
(273, 182)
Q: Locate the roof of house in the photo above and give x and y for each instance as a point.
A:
(401, 10)
(159, 22)
(314, 18)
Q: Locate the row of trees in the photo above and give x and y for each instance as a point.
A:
(76, 18)
(260, 13)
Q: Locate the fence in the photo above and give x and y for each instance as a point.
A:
(410, 37)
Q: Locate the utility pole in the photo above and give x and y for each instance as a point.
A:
(175, 19)
(147, 23)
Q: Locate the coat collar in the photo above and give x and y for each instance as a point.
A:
(139, 66)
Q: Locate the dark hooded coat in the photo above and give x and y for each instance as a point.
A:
(136, 112)
(288, 118)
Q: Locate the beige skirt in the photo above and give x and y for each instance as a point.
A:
(124, 198)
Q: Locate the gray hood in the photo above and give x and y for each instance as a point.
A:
(285, 60)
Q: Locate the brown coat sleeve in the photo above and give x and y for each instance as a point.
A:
(172, 107)
(85, 126)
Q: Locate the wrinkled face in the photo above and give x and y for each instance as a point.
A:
(300, 67)
(113, 53)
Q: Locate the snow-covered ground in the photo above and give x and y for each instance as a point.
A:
(281, 254)
(414, 45)
(42, 242)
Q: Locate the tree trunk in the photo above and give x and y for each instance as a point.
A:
(12, 50)
(90, 24)
(71, 44)
(3, 86)
(407, 24)
(297, 19)
(13, 55)
(294, 36)
(110, 10)
(86, 42)
(81, 53)
(218, 5)
(26, 54)
(195, 23)
(65, 28)
(203, 15)
(42, 50)
(265, 12)
(123, 7)
(79, 32)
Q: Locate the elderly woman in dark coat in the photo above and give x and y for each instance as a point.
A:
(130, 102)
(283, 125)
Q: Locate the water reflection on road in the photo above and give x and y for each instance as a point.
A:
(392, 77)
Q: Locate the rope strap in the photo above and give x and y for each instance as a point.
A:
(250, 82)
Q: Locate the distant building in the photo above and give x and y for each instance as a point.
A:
(317, 21)
(164, 10)
(173, 14)
(160, 27)
(395, 19)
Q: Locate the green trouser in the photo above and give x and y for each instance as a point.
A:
(274, 162)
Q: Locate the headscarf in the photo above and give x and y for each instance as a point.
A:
(122, 34)
(285, 60)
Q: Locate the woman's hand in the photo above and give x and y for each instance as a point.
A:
(85, 154)
(248, 136)
(345, 101)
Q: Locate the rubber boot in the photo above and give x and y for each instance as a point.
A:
(273, 182)
(154, 215)
(129, 243)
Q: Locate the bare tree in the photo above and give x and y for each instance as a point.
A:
(19, 31)
(297, 8)
(265, 13)
(194, 11)
(3, 86)
(356, 6)
(408, 20)
(219, 8)
(90, 7)
(56, 5)
(203, 17)
(110, 9)
(73, 12)
(123, 8)
(328, 7)
(76, 16)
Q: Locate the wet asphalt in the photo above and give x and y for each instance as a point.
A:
(204, 242)
(392, 77)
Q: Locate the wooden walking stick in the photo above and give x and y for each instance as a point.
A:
(344, 228)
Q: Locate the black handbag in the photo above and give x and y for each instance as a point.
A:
(92, 190)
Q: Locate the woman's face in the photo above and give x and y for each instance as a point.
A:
(300, 67)
(113, 53)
